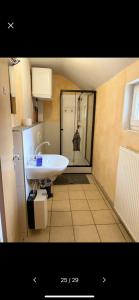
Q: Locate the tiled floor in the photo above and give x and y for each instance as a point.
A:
(79, 213)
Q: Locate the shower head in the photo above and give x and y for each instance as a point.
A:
(13, 61)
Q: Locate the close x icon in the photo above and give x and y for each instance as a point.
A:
(11, 25)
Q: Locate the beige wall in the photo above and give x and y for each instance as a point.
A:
(24, 103)
(8, 191)
(109, 134)
(52, 109)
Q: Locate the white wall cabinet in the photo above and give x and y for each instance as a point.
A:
(42, 83)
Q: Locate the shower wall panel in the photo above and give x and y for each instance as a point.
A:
(68, 124)
(76, 113)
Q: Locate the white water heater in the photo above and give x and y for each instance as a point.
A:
(42, 83)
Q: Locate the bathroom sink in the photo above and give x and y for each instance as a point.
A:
(52, 166)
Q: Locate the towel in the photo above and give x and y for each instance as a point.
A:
(76, 141)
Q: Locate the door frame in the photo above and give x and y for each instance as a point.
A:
(2, 209)
(93, 122)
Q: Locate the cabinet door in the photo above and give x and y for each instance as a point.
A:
(42, 82)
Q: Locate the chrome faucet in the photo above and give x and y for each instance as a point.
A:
(38, 146)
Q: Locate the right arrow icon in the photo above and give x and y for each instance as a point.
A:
(103, 279)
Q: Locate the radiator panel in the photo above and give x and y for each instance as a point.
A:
(127, 190)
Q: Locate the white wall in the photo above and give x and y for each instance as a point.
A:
(31, 138)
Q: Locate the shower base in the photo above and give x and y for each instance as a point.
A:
(71, 179)
(81, 162)
(83, 170)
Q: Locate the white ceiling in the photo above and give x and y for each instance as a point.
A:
(87, 73)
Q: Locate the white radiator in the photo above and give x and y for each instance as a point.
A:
(127, 190)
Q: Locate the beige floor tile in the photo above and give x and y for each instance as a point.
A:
(61, 218)
(61, 188)
(82, 217)
(61, 205)
(125, 234)
(93, 195)
(60, 195)
(97, 204)
(77, 195)
(49, 204)
(110, 233)
(79, 205)
(61, 234)
(36, 236)
(75, 187)
(103, 217)
(86, 233)
(49, 218)
(89, 187)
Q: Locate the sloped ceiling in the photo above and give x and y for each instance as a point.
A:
(87, 73)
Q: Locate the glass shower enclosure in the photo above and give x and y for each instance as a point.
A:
(77, 113)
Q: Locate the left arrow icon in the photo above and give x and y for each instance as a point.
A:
(34, 279)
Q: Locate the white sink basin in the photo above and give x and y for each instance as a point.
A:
(52, 166)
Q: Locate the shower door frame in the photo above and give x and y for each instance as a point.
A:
(93, 124)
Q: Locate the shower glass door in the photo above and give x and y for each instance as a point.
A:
(77, 119)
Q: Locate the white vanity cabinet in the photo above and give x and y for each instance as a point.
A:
(42, 83)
